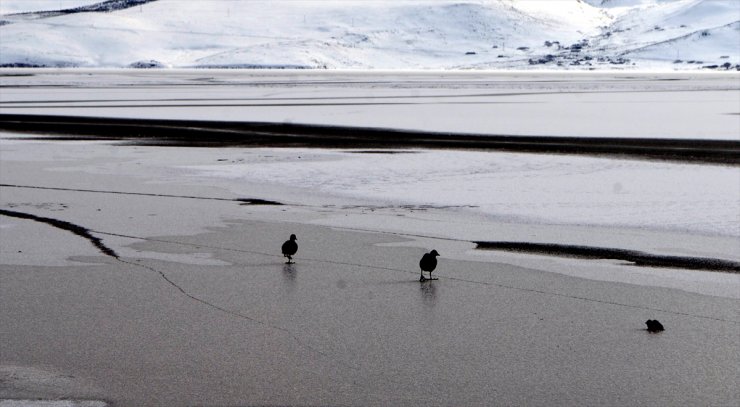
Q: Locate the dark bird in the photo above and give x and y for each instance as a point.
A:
(428, 263)
(653, 325)
(290, 247)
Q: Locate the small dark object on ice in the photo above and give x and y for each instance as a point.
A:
(428, 263)
(654, 326)
(290, 247)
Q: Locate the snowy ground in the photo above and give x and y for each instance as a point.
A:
(25, 6)
(378, 34)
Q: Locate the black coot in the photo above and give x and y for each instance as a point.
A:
(290, 247)
(428, 263)
(653, 325)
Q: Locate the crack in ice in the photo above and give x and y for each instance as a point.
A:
(85, 233)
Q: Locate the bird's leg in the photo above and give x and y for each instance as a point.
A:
(422, 278)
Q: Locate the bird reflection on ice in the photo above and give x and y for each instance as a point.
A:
(428, 293)
(289, 273)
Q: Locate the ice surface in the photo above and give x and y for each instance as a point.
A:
(667, 105)
(519, 187)
(659, 207)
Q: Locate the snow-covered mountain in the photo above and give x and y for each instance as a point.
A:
(373, 34)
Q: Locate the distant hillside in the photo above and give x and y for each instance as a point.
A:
(373, 34)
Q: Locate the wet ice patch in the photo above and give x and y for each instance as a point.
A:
(196, 259)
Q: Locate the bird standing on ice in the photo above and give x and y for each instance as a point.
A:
(653, 325)
(290, 247)
(428, 263)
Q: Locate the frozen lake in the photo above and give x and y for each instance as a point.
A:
(184, 299)
(519, 189)
(529, 188)
(582, 104)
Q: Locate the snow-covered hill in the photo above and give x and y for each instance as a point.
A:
(373, 34)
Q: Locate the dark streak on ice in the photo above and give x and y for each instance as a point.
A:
(193, 133)
(636, 257)
(382, 152)
(254, 201)
(71, 227)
